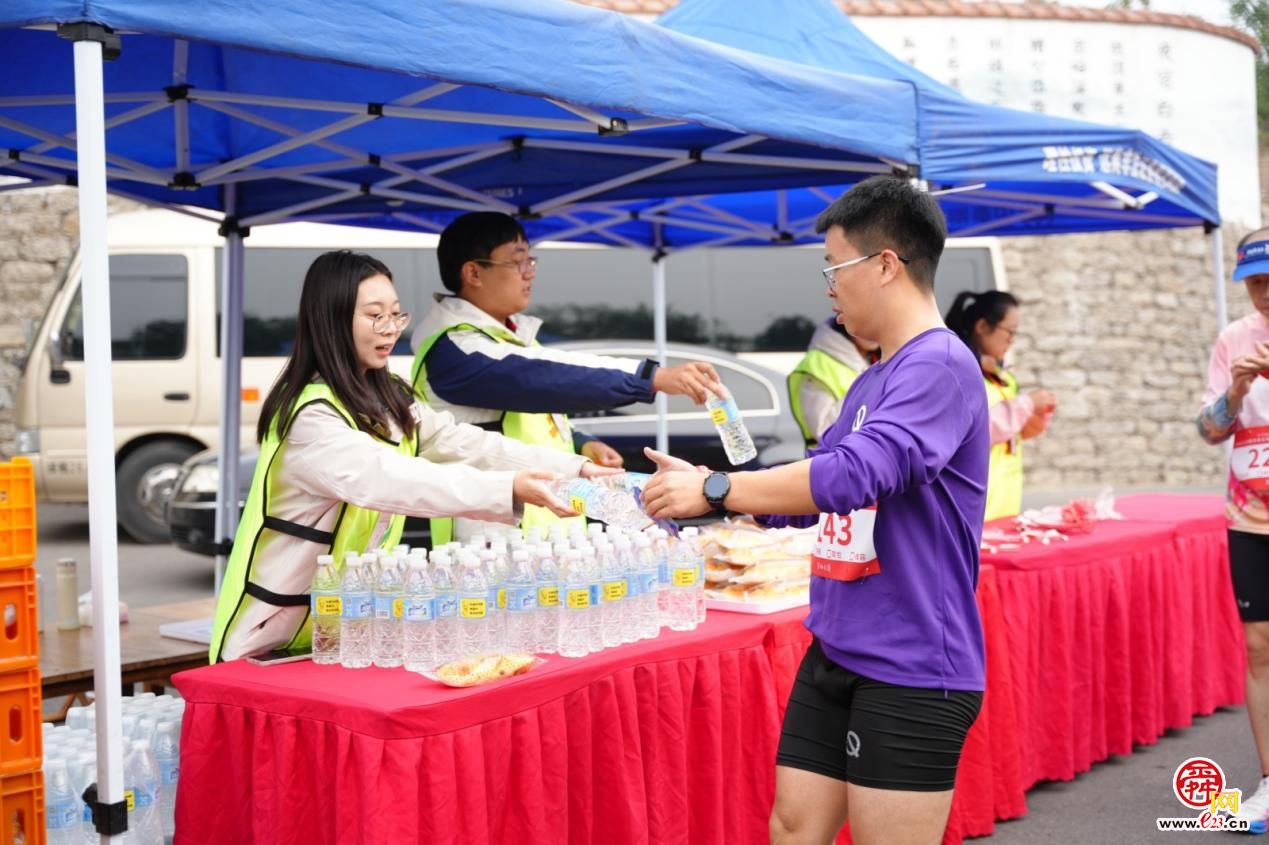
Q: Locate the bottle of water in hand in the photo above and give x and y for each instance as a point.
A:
(731, 427)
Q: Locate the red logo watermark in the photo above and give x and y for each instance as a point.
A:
(1197, 781)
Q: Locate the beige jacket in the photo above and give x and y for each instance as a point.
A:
(461, 470)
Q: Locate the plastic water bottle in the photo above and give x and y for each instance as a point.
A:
(612, 616)
(357, 599)
(499, 569)
(418, 617)
(616, 508)
(649, 588)
(731, 427)
(167, 753)
(691, 536)
(387, 621)
(521, 614)
(327, 610)
(87, 774)
(547, 577)
(473, 607)
(575, 607)
(443, 582)
(683, 579)
(594, 622)
(61, 809)
(632, 602)
(141, 778)
(661, 555)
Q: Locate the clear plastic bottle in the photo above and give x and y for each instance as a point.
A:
(575, 607)
(445, 584)
(612, 616)
(496, 623)
(691, 536)
(357, 600)
(141, 777)
(326, 609)
(731, 427)
(683, 580)
(388, 645)
(616, 508)
(418, 617)
(646, 573)
(632, 601)
(661, 555)
(521, 613)
(87, 774)
(167, 753)
(61, 809)
(547, 576)
(473, 607)
(594, 621)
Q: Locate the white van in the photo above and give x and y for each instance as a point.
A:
(165, 298)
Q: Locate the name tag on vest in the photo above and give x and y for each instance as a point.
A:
(844, 548)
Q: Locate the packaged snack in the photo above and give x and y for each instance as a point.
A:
(471, 671)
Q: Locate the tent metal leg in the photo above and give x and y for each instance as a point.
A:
(231, 386)
(1218, 277)
(99, 400)
(658, 331)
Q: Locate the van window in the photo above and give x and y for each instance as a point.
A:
(750, 392)
(274, 276)
(149, 297)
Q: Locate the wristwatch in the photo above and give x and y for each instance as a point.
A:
(717, 486)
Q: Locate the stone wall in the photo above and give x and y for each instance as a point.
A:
(1119, 325)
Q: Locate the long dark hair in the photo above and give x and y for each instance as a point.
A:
(324, 351)
(969, 307)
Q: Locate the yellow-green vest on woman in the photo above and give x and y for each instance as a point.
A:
(1004, 473)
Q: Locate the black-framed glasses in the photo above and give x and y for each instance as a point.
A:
(388, 323)
(524, 265)
(830, 273)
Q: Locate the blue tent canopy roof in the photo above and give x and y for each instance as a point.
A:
(1028, 161)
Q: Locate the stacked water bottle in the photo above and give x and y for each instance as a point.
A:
(151, 767)
(567, 592)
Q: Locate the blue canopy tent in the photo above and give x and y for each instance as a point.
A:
(392, 114)
(998, 171)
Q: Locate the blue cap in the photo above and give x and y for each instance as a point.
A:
(1253, 259)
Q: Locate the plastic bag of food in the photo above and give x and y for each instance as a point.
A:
(484, 669)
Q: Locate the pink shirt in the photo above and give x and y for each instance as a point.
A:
(1238, 340)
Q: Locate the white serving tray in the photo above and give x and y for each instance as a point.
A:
(772, 606)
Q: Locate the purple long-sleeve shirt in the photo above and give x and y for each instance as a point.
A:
(912, 438)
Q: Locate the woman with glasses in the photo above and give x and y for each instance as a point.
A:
(347, 451)
(988, 323)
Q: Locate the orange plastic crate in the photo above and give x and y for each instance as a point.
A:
(19, 623)
(21, 735)
(22, 809)
(17, 514)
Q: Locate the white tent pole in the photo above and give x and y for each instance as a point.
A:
(658, 331)
(103, 535)
(231, 268)
(1218, 276)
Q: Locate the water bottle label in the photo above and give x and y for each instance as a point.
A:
(577, 599)
(169, 772)
(417, 610)
(649, 584)
(130, 798)
(398, 608)
(502, 598)
(595, 590)
(614, 590)
(663, 572)
(725, 413)
(61, 816)
(473, 608)
(548, 596)
(358, 606)
(578, 504)
(520, 598)
(383, 607)
(632, 587)
(446, 607)
(685, 577)
(144, 798)
(327, 606)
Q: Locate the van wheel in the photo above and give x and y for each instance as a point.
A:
(143, 483)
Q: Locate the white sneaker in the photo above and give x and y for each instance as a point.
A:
(1255, 808)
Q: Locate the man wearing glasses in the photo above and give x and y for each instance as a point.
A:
(477, 356)
(894, 675)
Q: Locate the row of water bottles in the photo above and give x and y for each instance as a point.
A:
(569, 593)
(151, 728)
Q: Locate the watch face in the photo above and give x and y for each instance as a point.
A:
(716, 486)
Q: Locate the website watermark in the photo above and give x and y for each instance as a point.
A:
(1199, 784)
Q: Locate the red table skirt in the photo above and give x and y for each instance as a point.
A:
(673, 740)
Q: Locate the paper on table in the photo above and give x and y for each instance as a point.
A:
(191, 630)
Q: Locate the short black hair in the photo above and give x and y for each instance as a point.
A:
(889, 212)
(471, 237)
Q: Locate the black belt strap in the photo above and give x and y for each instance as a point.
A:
(493, 425)
(294, 529)
(276, 599)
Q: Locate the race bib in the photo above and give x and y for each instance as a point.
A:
(1250, 459)
(844, 549)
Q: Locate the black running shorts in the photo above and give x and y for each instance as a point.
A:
(845, 726)
(1249, 568)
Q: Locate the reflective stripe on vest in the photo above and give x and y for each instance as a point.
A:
(1004, 473)
(531, 429)
(835, 377)
(248, 571)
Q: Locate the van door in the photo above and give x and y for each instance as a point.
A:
(152, 347)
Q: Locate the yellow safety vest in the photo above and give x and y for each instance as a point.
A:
(248, 571)
(1004, 474)
(835, 376)
(552, 430)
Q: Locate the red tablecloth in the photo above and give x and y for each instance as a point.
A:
(1091, 646)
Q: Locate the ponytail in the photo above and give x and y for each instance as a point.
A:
(969, 307)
